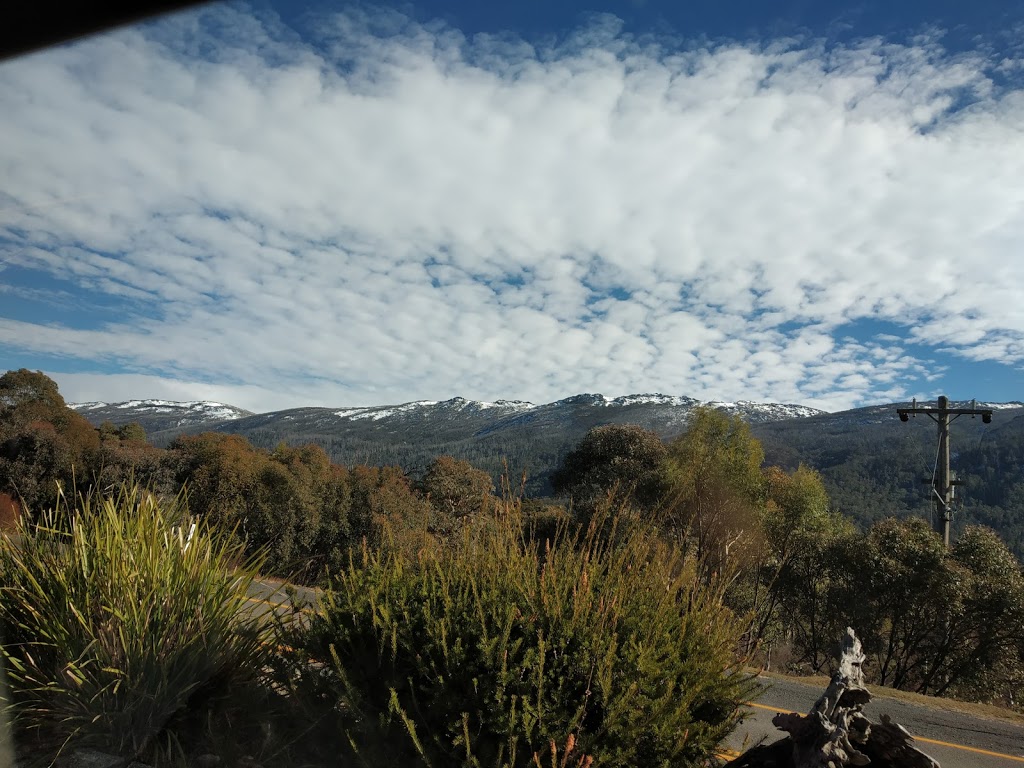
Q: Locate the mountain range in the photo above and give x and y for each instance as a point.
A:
(511, 437)
(872, 463)
(157, 415)
(526, 436)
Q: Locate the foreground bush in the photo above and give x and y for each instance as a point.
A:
(495, 652)
(117, 630)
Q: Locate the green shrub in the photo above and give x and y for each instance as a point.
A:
(116, 632)
(493, 651)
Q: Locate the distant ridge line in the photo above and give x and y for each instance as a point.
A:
(592, 398)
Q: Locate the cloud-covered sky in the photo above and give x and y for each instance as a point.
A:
(281, 206)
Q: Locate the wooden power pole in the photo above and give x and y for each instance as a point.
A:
(942, 484)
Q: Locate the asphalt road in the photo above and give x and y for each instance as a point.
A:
(269, 596)
(955, 739)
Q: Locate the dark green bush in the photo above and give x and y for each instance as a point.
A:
(493, 651)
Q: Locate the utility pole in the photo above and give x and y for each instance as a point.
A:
(942, 484)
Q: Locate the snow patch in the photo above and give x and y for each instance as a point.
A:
(653, 399)
(208, 410)
(382, 412)
(456, 403)
(346, 412)
(776, 411)
(512, 405)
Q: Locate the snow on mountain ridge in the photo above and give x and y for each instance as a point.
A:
(760, 411)
(462, 404)
(383, 412)
(652, 399)
(206, 409)
(219, 410)
(783, 410)
(376, 412)
(993, 406)
(190, 404)
(520, 405)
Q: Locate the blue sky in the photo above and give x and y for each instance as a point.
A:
(275, 205)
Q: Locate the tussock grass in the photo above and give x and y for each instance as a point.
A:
(118, 630)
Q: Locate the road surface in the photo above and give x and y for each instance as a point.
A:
(274, 596)
(955, 739)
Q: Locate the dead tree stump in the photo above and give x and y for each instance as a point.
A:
(835, 733)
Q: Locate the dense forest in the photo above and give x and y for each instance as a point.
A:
(799, 571)
(873, 466)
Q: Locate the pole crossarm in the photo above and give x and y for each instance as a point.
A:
(985, 413)
(942, 481)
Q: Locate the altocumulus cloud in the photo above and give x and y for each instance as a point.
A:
(386, 210)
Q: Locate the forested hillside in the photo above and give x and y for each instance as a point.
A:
(505, 437)
(875, 466)
(871, 463)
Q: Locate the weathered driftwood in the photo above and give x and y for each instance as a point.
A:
(835, 733)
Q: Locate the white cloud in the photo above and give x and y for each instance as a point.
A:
(417, 215)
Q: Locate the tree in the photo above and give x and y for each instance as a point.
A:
(299, 511)
(129, 433)
(797, 525)
(292, 503)
(622, 458)
(978, 653)
(934, 620)
(797, 505)
(44, 445)
(455, 488)
(809, 585)
(218, 472)
(905, 587)
(27, 396)
(338, 531)
(118, 462)
(716, 485)
(10, 512)
(35, 461)
(388, 512)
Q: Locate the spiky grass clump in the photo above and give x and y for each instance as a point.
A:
(488, 652)
(117, 627)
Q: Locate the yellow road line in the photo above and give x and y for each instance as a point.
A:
(916, 738)
(272, 604)
(265, 602)
(971, 749)
(771, 709)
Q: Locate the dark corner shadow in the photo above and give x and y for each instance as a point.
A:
(6, 735)
(30, 25)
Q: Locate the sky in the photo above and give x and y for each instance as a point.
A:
(285, 204)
